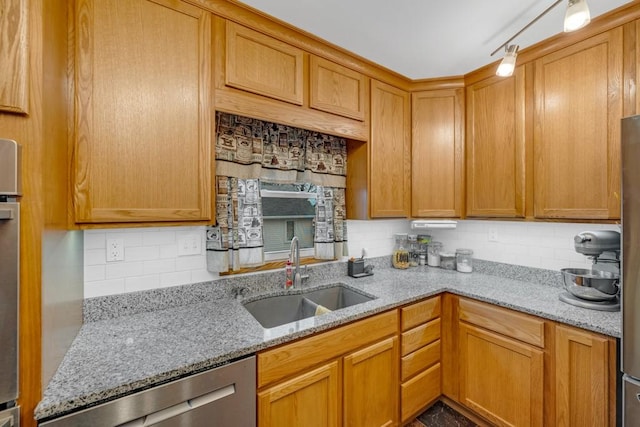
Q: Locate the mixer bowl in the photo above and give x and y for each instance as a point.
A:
(591, 285)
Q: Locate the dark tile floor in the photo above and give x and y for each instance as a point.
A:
(441, 415)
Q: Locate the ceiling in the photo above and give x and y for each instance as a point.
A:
(425, 38)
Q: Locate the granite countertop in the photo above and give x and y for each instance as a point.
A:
(193, 328)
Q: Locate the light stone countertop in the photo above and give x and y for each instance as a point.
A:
(115, 356)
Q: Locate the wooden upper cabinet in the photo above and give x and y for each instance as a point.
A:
(496, 147)
(437, 147)
(143, 111)
(336, 89)
(578, 107)
(260, 64)
(390, 151)
(14, 56)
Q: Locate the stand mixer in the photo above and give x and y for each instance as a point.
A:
(596, 288)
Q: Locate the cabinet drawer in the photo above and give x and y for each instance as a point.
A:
(506, 322)
(417, 393)
(420, 312)
(278, 363)
(420, 359)
(420, 336)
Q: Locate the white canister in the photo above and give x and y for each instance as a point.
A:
(464, 260)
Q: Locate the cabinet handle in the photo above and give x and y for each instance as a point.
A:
(5, 214)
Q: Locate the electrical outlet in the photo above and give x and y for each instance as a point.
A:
(115, 250)
(493, 234)
(189, 244)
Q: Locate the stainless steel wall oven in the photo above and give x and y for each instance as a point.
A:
(10, 189)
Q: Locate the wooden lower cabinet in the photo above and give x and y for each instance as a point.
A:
(501, 379)
(421, 371)
(584, 396)
(371, 384)
(309, 399)
(508, 368)
(347, 376)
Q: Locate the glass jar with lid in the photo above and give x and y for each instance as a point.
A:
(412, 243)
(464, 260)
(400, 257)
(433, 254)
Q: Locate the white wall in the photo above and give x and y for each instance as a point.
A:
(151, 254)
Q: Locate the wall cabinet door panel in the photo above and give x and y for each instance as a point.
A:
(496, 147)
(260, 64)
(14, 56)
(143, 112)
(389, 151)
(336, 89)
(437, 153)
(578, 107)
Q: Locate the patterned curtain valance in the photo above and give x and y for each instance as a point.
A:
(250, 148)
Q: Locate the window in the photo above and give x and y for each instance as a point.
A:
(288, 210)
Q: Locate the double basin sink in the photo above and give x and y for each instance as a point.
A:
(282, 309)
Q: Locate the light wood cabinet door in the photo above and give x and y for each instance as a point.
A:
(310, 399)
(500, 378)
(260, 64)
(14, 56)
(371, 385)
(143, 112)
(582, 379)
(578, 107)
(336, 89)
(495, 149)
(390, 152)
(437, 153)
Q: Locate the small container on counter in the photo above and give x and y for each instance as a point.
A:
(464, 260)
(400, 257)
(447, 260)
(433, 254)
(422, 259)
(412, 243)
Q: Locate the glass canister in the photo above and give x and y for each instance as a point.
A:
(423, 242)
(412, 243)
(433, 254)
(464, 260)
(400, 257)
(448, 260)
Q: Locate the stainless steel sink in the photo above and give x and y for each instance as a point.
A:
(282, 309)
(337, 297)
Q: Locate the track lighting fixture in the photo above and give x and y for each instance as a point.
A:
(508, 64)
(576, 17)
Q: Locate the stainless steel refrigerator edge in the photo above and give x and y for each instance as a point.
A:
(630, 152)
(9, 280)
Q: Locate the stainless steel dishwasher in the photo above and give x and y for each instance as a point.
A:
(221, 397)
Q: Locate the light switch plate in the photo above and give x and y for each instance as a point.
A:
(189, 244)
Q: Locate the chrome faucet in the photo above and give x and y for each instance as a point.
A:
(294, 255)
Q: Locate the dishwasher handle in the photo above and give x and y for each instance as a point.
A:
(5, 214)
(181, 408)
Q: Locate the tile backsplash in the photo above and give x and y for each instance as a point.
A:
(152, 259)
(153, 256)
